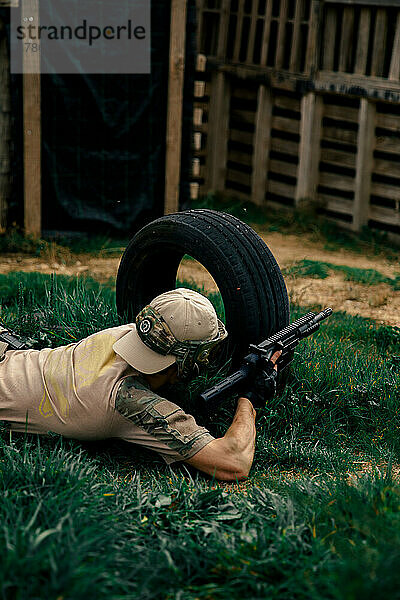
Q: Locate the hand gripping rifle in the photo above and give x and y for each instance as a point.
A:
(285, 340)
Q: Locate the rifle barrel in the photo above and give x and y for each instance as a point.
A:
(226, 385)
(289, 336)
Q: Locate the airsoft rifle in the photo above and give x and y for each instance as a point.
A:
(285, 340)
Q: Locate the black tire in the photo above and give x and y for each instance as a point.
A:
(248, 276)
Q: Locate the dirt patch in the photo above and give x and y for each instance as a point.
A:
(102, 269)
(290, 248)
(379, 302)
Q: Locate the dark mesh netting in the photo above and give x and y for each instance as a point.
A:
(103, 140)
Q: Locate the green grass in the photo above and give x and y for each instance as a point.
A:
(320, 270)
(107, 520)
(52, 310)
(36, 286)
(92, 244)
(60, 247)
(73, 528)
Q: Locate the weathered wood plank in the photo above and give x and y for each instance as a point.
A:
(287, 102)
(362, 41)
(309, 149)
(245, 137)
(32, 129)
(329, 40)
(218, 132)
(262, 138)
(357, 85)
(378, 53)
(238, 177)
(294, 64)
(365, 149)
(242, 158)
(333, 134)
(282, 168)
(324, 81)
(207, 8)
(311, 63)
(367, 2)
(201, 63)
(346, 39)
(223, 29)
(199, 89)
(200, 22)
(388, 144)
(197, 141)
(339, 205)
(286, 124)
(266, 33)
(194, 187)
(281, 189)
(338, 158)
(243, 116)
(384, 190)
(239, 30)
(281, 39)
(338, 182)
(388, 121)
(284, 146)
(196, 168)
(230, 193)
(342, 113)
(394, 71)
(175, 104)
(202, 126)
(243, 93)
(252, 33)
(197, 116)
(384, 215)
(386, 167)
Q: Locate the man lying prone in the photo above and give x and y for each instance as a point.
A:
(107, 386)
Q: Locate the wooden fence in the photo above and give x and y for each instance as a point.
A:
(300, 100)
(31, 79)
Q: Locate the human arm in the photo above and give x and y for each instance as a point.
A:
(175, 434)
(145, 418)
(230, 457)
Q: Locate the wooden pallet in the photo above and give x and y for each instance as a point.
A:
(311, 113)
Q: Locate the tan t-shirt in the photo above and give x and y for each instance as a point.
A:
(72, 390)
